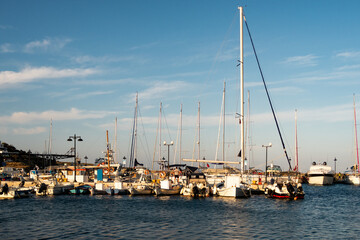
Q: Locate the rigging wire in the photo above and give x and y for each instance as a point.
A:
(268, 96)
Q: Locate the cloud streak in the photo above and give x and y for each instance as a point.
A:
(307, 60)
(47, 44)
(72, 114)
(30, 131)
(353, 54)
(32, 74)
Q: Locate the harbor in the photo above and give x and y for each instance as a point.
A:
(179, 120)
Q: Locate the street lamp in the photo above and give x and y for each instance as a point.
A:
(266, 156)
(335, 164)
(80, 140)
(168, 145)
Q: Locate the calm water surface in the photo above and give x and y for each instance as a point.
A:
(326, 213)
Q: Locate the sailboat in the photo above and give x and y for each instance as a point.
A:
(354, 178)
(272, 190)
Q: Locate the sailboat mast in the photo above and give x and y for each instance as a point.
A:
(160, 131)
(115, 149)
(356, 139)
(180, 133)
(296, 145)
(135, 129)
(242, 142)
(198, 133)
(223, 140)
(108, 149)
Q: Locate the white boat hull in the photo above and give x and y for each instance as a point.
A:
(321, 180)
(353, 179)
(236, 192)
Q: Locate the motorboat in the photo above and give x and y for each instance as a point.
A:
(320, 174)
(7, 192)
(288, 190)
(196, 186)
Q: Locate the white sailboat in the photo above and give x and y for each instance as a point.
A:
(354, 178)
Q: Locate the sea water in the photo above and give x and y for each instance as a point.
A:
(327, 212)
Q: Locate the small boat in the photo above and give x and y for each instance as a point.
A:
(354, 176)
(167, 188)
(53, 188)
(117, 189)
(141, 189)
(232, 187)
(7, 192)
(98, 189)
(284, 191)
(320, 174)
(197, 186)
(82, 189)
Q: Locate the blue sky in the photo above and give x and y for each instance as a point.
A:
(80, 64)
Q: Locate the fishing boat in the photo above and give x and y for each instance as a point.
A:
(117, 189)
(320, 174)
(354, 177)
(82, 189)
(167, 188)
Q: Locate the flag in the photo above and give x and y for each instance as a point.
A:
(207, 165)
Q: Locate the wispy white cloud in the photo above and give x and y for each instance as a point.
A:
(30, 74)
(72, 114)
(289, 90)
(349, 67)
(328, 114)
(162, 89)
(29, 131)
(147, 45)
(6, 48)
(349, 54)
(89, 94)
(47, 44)
(86, 59)
(307, 60)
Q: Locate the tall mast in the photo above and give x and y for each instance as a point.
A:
(242, 142)
(108, 149)
(50, 138)
(356, 139)
(115, 148)
(180, 132)
(296, 145)
(133, 140)
(160, 132)
(223, 140)
(135, 131)
(198, 133)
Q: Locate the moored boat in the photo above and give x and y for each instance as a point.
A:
(286, 190)
(320, 174)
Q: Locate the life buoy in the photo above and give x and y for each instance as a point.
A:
(162, 175)
(146, 172)
(106, 171)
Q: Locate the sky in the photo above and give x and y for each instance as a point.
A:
(80, 64)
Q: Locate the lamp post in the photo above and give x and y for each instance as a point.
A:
(335, 160)
(168, 145)
(266, 156)
(78, 138)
